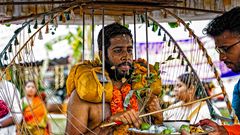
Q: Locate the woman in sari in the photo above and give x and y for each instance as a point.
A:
(34, 111)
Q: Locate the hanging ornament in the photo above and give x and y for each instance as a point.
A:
(182, 62)
(40, 36)
(19, 58)
(159, 32)
(29, 29)
(43, 20)
(10, 48)
(169, 42)
(174, 49)
(165, 15)
(47, 29)
(16, 41)
(72, 14)
(142, 19)
(55, 22)
(60, 17)
(178, 57)
(63, 18)
(186, 68)
(52, 19)
(36, 24)
(67, 16)
(164, 37)
(32, 42)
(5, 56)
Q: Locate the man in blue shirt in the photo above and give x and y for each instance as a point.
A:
(236, 99)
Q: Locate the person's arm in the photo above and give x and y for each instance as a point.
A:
(77, 117)
(236, 99)
(7, 122)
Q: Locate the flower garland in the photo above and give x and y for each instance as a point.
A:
(118, 98)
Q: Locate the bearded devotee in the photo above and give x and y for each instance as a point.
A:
(84, 85)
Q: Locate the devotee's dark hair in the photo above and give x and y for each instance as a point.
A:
(191, 80)
(110, 31)
(228, 21)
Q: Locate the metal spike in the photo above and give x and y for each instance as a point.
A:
(29, 29)
(10, 48)
(36, 24)
(40, 36)
(68, 16)
(43, 20)
(47, 29)
(174, 49)
(164, 37)
(182, 63)
(169, 42)
(16, 41)
(5, 56)
(159, 32)
(178, 57)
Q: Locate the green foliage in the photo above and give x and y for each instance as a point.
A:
(173, 24)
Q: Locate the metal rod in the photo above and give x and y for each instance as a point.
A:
(103, 67)
(93, 47)
(147, 50)
(83, 53)
(123, 19)
(134, 35)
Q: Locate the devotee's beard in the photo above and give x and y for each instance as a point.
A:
(115, 74)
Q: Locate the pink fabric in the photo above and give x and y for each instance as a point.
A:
(3, 109)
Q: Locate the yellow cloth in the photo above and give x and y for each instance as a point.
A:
(83, 78)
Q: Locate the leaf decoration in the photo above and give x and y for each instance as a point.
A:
(173, 24)
(127, 98)
(154, 27)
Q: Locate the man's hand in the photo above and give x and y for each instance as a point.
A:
(128, 117)
(218, 130)
(154, 105)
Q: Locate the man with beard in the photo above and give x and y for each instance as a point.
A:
(84, 85)
(225, 30)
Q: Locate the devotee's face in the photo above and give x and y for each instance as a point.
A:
(181, 91)
(120, 53)
(228, 46)
(31, 89)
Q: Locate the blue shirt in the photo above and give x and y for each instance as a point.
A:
(236, 99)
